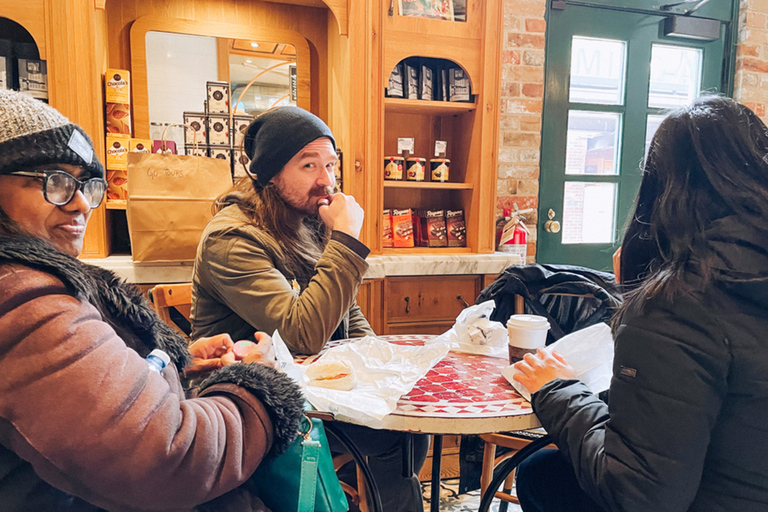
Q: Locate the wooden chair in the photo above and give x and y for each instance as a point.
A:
(173, 303)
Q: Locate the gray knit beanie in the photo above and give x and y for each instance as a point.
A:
(274, 137)
(34, 134)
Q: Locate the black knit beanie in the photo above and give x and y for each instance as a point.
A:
(274, 137)
(33, 134)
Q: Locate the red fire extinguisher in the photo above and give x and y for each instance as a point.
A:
(514, 237)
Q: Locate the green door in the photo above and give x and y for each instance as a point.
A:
(610, 77)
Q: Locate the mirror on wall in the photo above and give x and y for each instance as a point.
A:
(261, 74)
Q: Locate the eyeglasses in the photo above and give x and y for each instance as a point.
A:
(59, 187)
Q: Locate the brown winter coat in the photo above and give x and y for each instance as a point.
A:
(81, 414)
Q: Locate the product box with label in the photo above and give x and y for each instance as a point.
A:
(426, 83)
(33, 78)
(458, 85)
(240, 126)
(433, 230)
(402, 228)
(167, 147)
(195, 150)
(455, 228)
(218, 130)
(6, 64)
(240, 163)
(117, 185)
(395, 89)
(118, 117)
(218, 97)
(411, 81)
(195, 128)
(386, 229)
(220, 153)
(117, 86)
(117, 151)
(140, 146)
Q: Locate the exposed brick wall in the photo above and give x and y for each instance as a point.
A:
(751, 80)
(522, 94)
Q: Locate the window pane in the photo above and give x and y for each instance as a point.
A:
(597, 71)
(651, 125)
(589, 212)
(593, 143)
(675, 76)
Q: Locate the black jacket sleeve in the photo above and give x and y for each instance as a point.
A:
(645, 452)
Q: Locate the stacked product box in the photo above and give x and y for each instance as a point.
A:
(386, 230)
(456, 229)
(117, 96)
(402, 228)
(33, 78)
(432, 230)
(195, 133)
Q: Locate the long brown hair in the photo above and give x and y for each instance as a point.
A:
(301, 237)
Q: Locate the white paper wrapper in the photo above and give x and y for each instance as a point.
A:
(384, 372)
(474, 333)
(590, 353)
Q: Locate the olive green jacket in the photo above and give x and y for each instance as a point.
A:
(241, 285)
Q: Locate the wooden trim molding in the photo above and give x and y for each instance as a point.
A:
(146, 24)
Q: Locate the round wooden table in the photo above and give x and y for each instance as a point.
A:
(462, 394)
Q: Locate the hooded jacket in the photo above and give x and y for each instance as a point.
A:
(241, 284)
(687, 425)
(86, 425)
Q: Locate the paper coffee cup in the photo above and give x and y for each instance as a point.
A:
(527, 334)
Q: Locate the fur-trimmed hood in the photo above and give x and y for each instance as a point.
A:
(122, 305)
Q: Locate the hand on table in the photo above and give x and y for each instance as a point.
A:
(541, 368)
(262, 352)
(209, 354)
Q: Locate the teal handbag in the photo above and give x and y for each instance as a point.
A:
(302, 478)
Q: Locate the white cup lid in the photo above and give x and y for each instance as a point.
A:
(533, 322)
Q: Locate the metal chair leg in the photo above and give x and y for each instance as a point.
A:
(506, 467)
(372, 490)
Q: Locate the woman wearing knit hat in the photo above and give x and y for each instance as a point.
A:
(85, 424)
(283, 253)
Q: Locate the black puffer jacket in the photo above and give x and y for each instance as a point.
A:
(687, 426)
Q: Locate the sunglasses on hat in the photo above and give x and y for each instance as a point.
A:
(59, 187)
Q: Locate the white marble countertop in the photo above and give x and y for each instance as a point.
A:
(380, 266)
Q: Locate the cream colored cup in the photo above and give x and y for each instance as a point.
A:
(527, 334)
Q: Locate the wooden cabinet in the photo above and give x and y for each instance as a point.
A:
(417, 304)
(470, 129)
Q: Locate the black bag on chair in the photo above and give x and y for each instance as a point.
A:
(570, 297)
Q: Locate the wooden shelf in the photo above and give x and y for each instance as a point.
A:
(426, 250)
(429, 185)
(116, 205)
(424, 107)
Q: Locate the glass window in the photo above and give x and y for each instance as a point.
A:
(588, 212)
(592, 143)
(597, 71)
(675, 76)
(651, 125)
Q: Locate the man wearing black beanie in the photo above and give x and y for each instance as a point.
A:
(282, 252)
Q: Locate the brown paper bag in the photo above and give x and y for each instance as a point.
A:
(169, 203)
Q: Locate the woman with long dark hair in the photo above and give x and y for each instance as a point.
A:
(687, 424)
